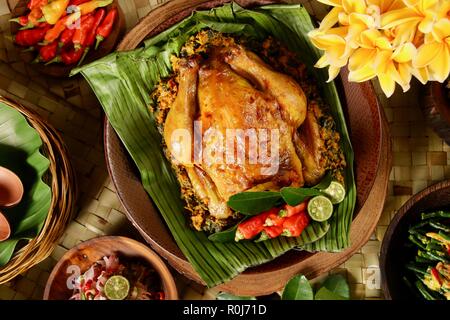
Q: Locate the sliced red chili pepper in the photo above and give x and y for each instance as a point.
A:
(77, 2)
(30, 37)
(274, 219)
(293, 226)
(104, 30)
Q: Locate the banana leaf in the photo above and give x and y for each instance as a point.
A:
(123, 81)
(19, 152)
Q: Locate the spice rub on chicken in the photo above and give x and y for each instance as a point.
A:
(222, 89)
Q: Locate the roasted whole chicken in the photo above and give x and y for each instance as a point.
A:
(275, 140)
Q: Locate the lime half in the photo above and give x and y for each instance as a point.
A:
(117, 288)
(335, 191)
(320, 208)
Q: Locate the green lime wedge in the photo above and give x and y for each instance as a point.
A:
(320, 208)
(335, 191)
(117, 288)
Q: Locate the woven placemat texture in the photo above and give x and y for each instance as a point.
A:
(420, 159)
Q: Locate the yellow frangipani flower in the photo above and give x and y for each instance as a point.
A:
(434, 54)
(392, 40)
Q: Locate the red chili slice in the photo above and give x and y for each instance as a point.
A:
(293, 226)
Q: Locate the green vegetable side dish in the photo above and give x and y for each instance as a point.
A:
(123, 82)
(429, 273)
(20, 152)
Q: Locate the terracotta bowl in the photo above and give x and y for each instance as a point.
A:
(5, 228)
(394, 254)
(369, 138)
(11, 188)
(87, 253)
(59, 70)
(436, 108)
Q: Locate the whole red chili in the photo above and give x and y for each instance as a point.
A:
(274, 231)
(48, 52)
(90, 40)
(104, 30)
(23, 20)
(293, 226)
(77, 2)
(71, 56)
(66, 37)
(251, 227)
(28, 38)
(81, 34)
(36, 4)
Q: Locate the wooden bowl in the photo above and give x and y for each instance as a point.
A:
(436, 108)
(60, 70)
(87, 253)
(370, 140)
(394, 254)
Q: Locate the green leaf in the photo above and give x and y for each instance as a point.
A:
(298, 288)
(295, 196)
(19, 152)
(122, 82)
(224, 236)
(325, 183)
(228, 296)
(254, 202)
(325, 294)
(337, 284)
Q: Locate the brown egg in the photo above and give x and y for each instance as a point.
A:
(5, 229)
(11, 188)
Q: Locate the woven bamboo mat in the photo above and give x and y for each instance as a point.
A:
(420, 159)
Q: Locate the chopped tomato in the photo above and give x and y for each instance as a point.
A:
(294, 225)
(291, 211)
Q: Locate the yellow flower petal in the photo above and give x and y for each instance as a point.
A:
(343, 18)
(421, 74)
(330, 19)
(326, 41)
(367, 38)
(363, 19)
(404, 53)
(404, 33)
(382, 61)
(360, 58)
(394, 18)
(387, 84)
(426, 25)
(383, 43)
(426, 53)
(333, 3)
(363, 74)
(339, 31)
(332, 73)
(322, 62)
(440, 66)
(441, 30)
(354, 6)
(404, 71)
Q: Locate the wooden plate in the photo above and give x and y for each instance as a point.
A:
(394, 254)
(59, 70)
(84, 255)
(369, 137)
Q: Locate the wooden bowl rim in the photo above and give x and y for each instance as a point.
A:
(401, 213)
(150, 256)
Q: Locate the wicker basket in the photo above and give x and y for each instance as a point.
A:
(61, 178)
